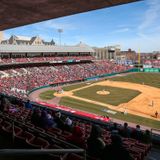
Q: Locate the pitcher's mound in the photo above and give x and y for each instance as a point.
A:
(103, 92)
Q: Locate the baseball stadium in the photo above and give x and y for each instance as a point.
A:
(63, 102)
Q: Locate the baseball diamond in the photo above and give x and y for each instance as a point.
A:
(127, 93)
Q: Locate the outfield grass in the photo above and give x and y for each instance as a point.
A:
(151, 79)
(116, 96)
(47, 95)
(74, 86)
(93, 108)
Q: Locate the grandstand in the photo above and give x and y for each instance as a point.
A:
(154, 63)
(30, 130)
(22, 71)
(33, 66)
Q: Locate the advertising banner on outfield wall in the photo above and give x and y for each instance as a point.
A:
(151, 69)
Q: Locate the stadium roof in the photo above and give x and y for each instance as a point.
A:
(24, 38)
(44, 49)
(16, 13)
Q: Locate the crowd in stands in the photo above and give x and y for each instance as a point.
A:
(18, 81)
(44, 59)
(112, 141)
(153, 63)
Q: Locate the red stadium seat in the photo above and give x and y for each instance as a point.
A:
(6, 128)
(21, 137)
(54, 131)
(38, 143)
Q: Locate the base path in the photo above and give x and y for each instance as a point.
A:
(145, 104)
(148, 102)
(34, 96)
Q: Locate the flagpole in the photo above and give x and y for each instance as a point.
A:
(139, 60)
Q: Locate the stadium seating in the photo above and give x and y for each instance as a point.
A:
(18, 82)
(153, 63)
(37, 143)
(44, 59)
(27, 135)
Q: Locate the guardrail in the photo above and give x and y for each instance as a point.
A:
(31, 152)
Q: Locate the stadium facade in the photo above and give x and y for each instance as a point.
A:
(22, 40)
(109, 52)
(10, 50)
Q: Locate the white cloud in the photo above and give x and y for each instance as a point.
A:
(121, 30)
(151, 15)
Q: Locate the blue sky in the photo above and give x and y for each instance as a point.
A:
(134, 25)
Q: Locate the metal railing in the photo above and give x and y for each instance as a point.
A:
(33, 152)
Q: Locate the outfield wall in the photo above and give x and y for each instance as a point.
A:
(111, 74)
(155, 70)
(151, 70)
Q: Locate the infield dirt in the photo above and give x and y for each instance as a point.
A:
(145, 104)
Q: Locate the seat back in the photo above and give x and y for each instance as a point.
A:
(38, 143)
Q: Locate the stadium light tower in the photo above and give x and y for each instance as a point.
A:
(60, 31)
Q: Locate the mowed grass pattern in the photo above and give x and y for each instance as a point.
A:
(116, 96)
(93, 108)
(74, 86)
(151, 79)
(47, 95)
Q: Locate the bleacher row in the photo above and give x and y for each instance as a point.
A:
(44, 59)
(27, 135)
(154, 63)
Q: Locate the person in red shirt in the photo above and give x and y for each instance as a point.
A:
(77, 137)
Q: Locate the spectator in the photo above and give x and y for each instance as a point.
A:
(58, 120)
(36, 117)
(45, 75)
(115, 151)
(77, 137)
(49, 115)
(95, 142)
(114, 129)
(137, 133)
(68, 124)
(4, 104)
(147, 137)
(12, 109)
(68, 121)
(125, 131)
(45, 121)
(58, 114)
(51, 118)
(28, 104)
